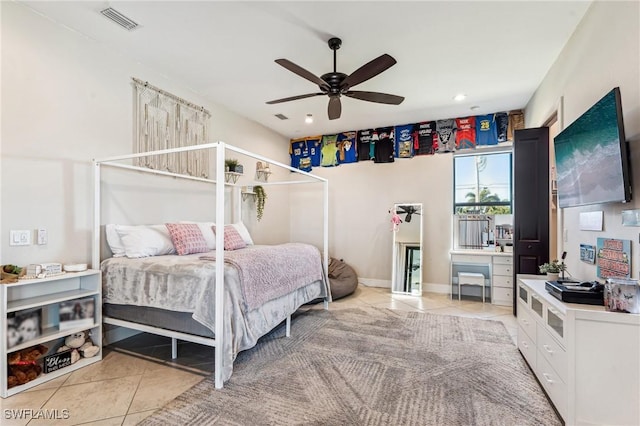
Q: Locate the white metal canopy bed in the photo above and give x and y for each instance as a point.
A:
(216, 329)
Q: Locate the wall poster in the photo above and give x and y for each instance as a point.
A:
(613, 258)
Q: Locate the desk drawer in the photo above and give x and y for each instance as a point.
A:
(501, 269)
(553, 352)
(471, 258)
(553, 384)
(502, 281)
(527, 348)
(526, 322)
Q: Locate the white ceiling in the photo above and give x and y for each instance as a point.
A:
(497, 53)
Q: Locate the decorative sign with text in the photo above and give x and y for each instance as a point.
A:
(614, 258)
(57, 361)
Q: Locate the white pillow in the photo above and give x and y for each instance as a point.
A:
(145, 240)
(207, 232)
(113, 240)
(244, 232)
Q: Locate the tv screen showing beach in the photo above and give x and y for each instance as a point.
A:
(589, 158)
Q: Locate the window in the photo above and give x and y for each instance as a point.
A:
(482, 183)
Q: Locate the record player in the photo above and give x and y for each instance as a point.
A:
(570, 291)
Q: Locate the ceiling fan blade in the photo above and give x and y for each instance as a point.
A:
(368, 70)
(335, 107)
(302, 72)
(293, 98)
(381, 98)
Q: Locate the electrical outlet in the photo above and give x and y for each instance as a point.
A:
(42, 237)
(19, 237)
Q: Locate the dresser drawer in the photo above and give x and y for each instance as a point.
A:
(553, 384)
(504, 260)
(526, 322)
(501, 269)
(502, 281)
(555, 355)
(502, 296)
(527, 348)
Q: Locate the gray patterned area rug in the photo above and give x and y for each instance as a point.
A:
(370, 366)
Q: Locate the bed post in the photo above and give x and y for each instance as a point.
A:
(219, 322)
(325, 240)
(95, 247)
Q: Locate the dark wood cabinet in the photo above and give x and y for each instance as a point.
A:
(531, 201)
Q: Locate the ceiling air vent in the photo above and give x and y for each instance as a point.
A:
(117, 17)
(282, 116)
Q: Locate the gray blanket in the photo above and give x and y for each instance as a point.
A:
(268, 272)
(187, 284)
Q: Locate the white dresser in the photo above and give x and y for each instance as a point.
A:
(586, 358)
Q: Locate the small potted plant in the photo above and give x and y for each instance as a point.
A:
(261, 197)
(230, 164)
(552, 269)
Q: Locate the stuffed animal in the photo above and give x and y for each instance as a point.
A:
(24, 366)
(395, 221)
(82, 343)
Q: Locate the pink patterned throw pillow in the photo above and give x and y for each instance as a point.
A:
(187, 238)
(232, 238)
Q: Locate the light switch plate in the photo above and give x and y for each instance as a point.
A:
(20, 237)
(43, 238)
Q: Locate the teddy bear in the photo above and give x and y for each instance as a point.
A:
(24, 366)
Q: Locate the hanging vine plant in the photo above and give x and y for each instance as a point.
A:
(261, 198)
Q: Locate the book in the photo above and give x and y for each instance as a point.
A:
(76, 313)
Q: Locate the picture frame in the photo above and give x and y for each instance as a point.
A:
(23, 326)
(76, 313)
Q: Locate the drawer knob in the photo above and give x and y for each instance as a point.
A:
(548, 349)
(548, 379)
(525, 344)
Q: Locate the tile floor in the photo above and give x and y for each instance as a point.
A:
(137, 377)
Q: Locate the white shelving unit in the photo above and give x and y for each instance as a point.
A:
(45, 294)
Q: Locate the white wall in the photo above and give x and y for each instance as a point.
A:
(360, 197)
(603, 53)
(67, 99)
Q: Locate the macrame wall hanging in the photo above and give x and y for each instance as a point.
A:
(165, 121)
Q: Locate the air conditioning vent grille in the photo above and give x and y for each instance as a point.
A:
(119, 18)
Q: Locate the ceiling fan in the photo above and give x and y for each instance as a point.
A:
(408, 210)
(335, 84)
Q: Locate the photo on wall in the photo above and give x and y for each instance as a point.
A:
(588, 253)
(613, 258)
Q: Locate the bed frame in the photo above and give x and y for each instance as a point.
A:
(220, 149)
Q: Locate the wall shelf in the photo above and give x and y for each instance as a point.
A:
(231, 176)
(246, 194)
(262, 175)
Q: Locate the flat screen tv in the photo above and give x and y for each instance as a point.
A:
(592, 156)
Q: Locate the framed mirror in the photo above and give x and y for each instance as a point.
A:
(407, 250)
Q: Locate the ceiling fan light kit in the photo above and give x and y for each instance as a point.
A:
(335, 84)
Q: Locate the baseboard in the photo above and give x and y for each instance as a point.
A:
(372, 282)
(436, 288)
